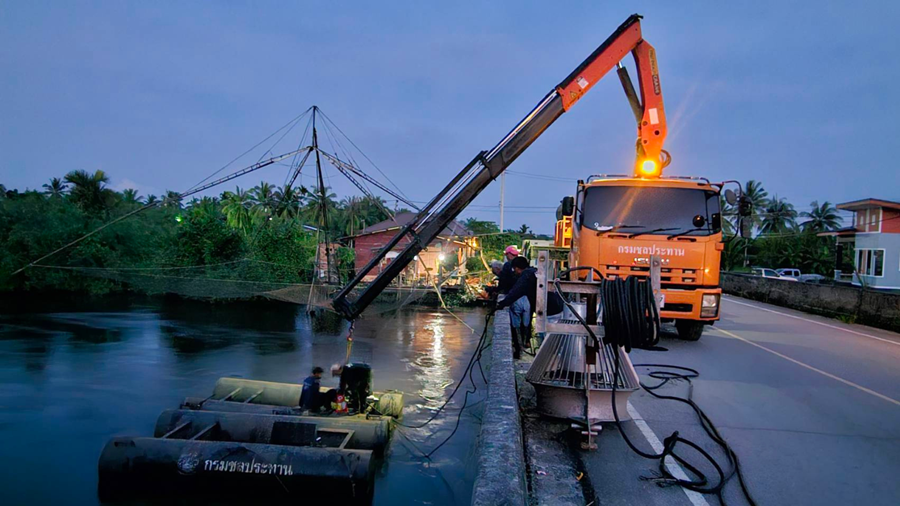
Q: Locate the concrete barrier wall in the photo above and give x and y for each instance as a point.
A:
(865, 306)
(500, 478)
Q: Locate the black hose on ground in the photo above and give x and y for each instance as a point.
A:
(631, 320)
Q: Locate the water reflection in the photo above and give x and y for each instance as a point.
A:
(431, 365)
(72, 380)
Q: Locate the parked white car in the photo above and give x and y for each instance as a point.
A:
(770, 273)
(792, 273)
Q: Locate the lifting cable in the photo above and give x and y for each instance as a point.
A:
(631, 320)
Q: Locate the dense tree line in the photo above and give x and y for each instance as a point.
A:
(783, 237)
(264, 224)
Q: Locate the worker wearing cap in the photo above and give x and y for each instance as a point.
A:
(507, 277)
(521, 302)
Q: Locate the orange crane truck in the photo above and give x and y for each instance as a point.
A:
(615, 224)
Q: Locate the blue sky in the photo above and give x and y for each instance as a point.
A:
(798, 95)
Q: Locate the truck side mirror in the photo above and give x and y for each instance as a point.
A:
(730, 197)
(568, 206)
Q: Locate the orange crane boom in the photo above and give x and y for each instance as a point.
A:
(488, 165)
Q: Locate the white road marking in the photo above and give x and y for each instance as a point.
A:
(811, 368)
(674, 467)
(729, 299)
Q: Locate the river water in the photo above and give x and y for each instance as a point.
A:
(71, 379)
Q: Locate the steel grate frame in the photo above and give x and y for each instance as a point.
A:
(560, 362)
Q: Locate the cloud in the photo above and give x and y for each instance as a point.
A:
(124, 184)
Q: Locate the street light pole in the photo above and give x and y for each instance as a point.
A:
(502, 187)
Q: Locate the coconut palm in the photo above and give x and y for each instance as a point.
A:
(152, 199)
(315, 204)
(353, 214)
(89, 191)
(759, 198)
(130, 196)
(56, 188)
(779, 216)
(288, 201)
(263, 199)
(207, 207)
(236, 206)
(821, 217)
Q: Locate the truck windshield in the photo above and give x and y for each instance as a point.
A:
(648, 210)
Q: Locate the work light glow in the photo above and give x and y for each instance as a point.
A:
(648, 167)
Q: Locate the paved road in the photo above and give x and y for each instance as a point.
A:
(811, 406)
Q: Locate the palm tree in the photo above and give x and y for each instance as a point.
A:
(263, 198)
(172, 199)
(236, 207)
(779, 217)
(759, 197)
(315, 203)
(524, 230)
(152, 199)
(56, 188)
(89, 191)
(207, 207)
(821, 217)
(353, 218)
(130, 196)
(373, 210)
(288, 201)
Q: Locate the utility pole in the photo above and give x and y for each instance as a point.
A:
(502, 187)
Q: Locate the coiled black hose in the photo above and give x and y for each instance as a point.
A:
(630, 314)
(631, 320)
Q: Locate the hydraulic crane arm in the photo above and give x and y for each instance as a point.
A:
(487, 165)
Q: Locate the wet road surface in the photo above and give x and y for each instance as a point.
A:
(811, 406)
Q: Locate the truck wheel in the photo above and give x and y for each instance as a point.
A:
(689, 330)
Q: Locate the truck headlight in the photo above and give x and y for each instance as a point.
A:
(709, 305)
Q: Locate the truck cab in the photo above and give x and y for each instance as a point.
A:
(619, 222)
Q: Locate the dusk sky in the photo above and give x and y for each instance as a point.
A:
(798, 95)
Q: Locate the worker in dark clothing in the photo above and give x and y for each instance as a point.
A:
(496, 269)
(507, 277)
(521, 302)
(312, 398)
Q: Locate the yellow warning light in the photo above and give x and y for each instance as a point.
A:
(649, 168)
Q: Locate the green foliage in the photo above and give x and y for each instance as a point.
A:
(821, 217)
(288, 250)
(204, 237)
(265, 225)
(89, 191)
(780, 217)
(253, 235)
(481, 227)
